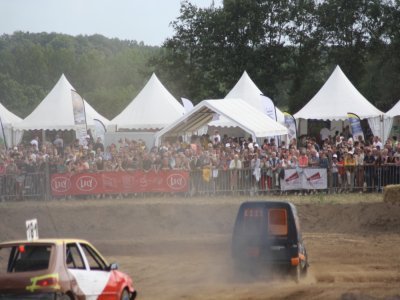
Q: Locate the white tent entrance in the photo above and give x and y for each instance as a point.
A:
(245, 116)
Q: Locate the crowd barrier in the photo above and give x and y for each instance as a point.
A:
(294, 180)
(205, 181)
(23, 186)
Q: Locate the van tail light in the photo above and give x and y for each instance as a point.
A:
(295, 261)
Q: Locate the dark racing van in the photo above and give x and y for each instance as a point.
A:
(267, 234)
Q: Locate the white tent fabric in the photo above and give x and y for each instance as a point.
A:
(153, 108)
(92, 114)
(55, 112)
(247, 90)
(237, 111)
(381, 126)
(394, 111)
(8, 120)
(335, 99)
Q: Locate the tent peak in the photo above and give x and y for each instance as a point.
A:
(335, 99)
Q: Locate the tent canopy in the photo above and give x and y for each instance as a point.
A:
(394, 111)
(92, 114)
(8, 119)
(237, 111)
(247, 90)
(153, 108)
(55, 112)
(335, 99)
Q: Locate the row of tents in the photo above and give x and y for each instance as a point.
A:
(154, 114)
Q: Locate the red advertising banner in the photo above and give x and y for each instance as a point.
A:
(119, 182)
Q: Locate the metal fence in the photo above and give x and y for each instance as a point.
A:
(243, 182)
(35, 186)
(28, 186)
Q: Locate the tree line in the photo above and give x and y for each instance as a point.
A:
(288, 47)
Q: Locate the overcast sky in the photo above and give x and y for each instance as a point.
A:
(140, 20)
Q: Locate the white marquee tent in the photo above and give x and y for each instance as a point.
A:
(394, 111)
(247, 117)
(393, 118)
(8, 119)
(336, 98)
(55, 112)
(152, 109)
(247, 90)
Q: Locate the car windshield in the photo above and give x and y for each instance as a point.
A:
(24, 258)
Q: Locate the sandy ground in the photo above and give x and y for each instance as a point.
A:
(179, 248)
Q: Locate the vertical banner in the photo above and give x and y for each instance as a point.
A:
(187, 105)
(355, 123)
(290, 124)
(99, 130)
(78, 107)
(269, 107)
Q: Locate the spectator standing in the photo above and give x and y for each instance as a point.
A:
(256, 171)
(349, 165)
(234, 167)
(341, 173)
(35, 143)
(98, 145)
(369, 163)
(335, 173)
(359, 169)
(216, 137)
(303, 159)
(59, 144)
(275, 164)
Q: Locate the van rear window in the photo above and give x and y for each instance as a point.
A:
(277, 221)
(253, 220)
(25, 258)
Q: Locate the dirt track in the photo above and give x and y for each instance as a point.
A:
(176, 248)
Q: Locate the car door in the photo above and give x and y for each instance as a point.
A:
(89, 270)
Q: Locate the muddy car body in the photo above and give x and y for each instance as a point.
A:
(64, 269)
(267, 233)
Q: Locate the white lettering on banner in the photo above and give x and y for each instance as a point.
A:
(86, 183)
(176, 181)
(143, 182)
(32, 229)
(307, 178)
(60, 184)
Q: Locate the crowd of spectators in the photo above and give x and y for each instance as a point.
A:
(352, 164)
